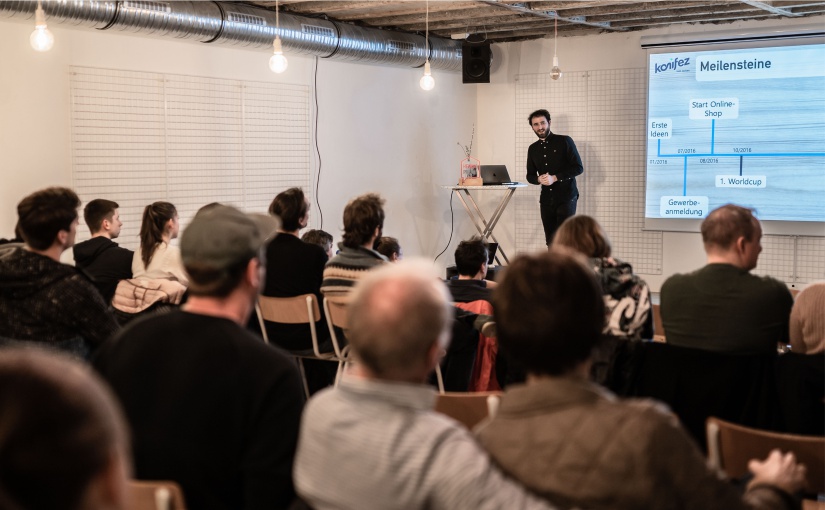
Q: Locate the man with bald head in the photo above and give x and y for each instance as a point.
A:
(723, 307)
(380, 423)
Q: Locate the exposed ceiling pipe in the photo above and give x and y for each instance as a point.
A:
(233, 24)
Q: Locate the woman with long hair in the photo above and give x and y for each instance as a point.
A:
(628, 313)
(156, 258)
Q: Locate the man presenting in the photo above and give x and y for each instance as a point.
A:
(553, 162)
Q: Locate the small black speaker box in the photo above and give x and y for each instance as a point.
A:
(475, 62)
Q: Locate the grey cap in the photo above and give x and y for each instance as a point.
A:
(223, 236)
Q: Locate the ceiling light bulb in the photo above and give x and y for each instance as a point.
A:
(555, 73)
(427, 81)
(42, 38)
(277, 62)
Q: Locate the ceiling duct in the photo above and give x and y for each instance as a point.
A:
(246, 26)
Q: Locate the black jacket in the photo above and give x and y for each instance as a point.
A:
(105, 262)
(557, 155)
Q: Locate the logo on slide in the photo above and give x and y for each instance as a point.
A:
(671, 65)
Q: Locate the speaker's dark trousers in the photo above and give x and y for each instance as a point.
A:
(553, 214)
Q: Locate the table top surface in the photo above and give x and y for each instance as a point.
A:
(492, 186)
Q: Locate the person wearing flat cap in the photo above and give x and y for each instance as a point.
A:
(210, 405)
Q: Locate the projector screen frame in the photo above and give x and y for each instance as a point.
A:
(725, 40)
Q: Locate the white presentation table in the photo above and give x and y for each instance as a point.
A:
(485, 228)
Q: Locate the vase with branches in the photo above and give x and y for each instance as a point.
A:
(470, 167)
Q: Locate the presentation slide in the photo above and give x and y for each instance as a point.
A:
(743, 126)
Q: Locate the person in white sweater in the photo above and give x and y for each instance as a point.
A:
(157, 258)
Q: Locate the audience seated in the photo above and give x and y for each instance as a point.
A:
(156, 258)
(321, 238)
(211, 406)
(801, 372)
(807, 322)
(722, 306)
(100, 257)
(42, 300)
(63, 442)
(375, 441)
(626, 296)
(363, 222)
(389, 247)
(471, 259)
(472, 293)
(294, 268)
(628, 312)
(575, 443)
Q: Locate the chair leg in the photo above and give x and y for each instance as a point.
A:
(339, 372)
(440, 379)
(303, 376)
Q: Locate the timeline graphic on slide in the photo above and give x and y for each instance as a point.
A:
(743, 126)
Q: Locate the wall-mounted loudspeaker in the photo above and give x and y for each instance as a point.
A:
(475, 62)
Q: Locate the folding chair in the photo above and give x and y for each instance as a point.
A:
(155, 495)
(469, 409)
(301, 309)
(336, 313)
(731, 446)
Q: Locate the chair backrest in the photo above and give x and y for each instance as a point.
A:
(336, 310)
(290, 310)
(301, 309)
(469, 409)
(337, 319)
(731, 446)
(697, 384)
(658, 329)
(155, 495)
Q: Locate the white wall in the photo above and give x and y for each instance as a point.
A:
(496, 103)
(378, 131)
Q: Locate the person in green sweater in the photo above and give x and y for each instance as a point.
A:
(722, 307)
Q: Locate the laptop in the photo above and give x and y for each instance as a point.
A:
(495, 175)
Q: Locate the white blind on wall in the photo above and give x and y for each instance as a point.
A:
(142, 137)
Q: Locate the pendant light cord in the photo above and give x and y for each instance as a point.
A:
(555, 33)
(427, 32)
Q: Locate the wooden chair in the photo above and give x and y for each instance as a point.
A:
(155, 495)
(731, 446)
(301, 309)
(336, 314)
(469, 409)
(658, 329)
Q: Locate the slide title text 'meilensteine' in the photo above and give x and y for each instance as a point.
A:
(720, 65)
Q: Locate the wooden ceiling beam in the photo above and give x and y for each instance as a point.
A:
(435, 7)
(330, 7)
(526, 10)
(412, 19)
(770, 8)
(699, 18)
(651, 15)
